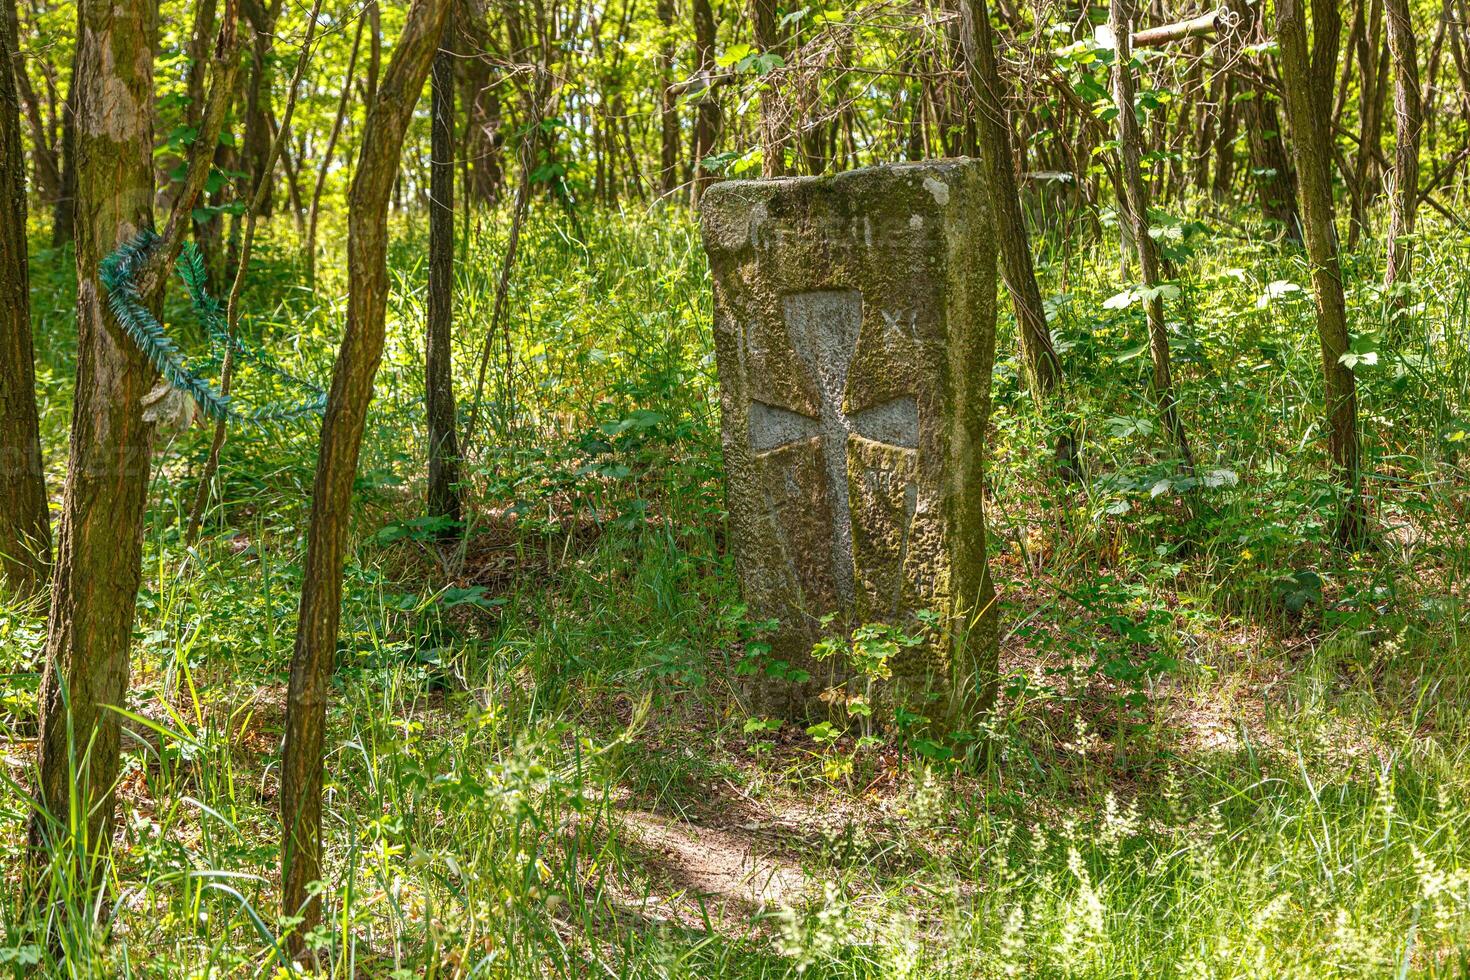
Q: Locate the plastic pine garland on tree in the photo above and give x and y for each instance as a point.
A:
(119, 273)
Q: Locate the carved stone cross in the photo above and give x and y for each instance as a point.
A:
(823, 327)
(842, 305)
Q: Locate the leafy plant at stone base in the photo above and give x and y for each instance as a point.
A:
(867, 654)
(756, 658)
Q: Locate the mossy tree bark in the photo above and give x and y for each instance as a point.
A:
(25, 525)
(1136, 207)
(1307, 77)
(444, 498)
(347, 404)
(1043, 367)
(98, 563)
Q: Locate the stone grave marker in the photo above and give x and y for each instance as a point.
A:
(854, 334)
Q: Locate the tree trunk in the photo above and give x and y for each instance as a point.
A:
(1408, 117)
(484, 170)
(198, 48)
(98, 562)
(668, 103)
(1043, 368)
(47, 168)
(346, 414)
(1136, 206)
(1270, 165)
(325, 167)
(1225, 142)
(263, 16)
(772, 116)
(1364, 181)
(707, 114)
(1307, 79)
(64, 210)
(25, 524)
(95, 583)
(444, 498)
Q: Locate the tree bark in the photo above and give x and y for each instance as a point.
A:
(1136, 206)
(95, 582)
(47, 168)
(341, 442)
(668, 157)
(484, 169)
(772, 117)
(1408, 116)
(1043, 367)
(444, 499)
(64, 209)
(1363, 182)
(324, 168)
(707, 112)
(1307, 78)
(262, 15)
(25, 524)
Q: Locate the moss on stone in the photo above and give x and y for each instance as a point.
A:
(914, 241)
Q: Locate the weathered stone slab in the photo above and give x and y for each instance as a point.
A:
(855, 332)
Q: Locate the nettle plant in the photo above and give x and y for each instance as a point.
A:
(868, 652)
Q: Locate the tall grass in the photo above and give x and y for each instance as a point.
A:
(1277, 785)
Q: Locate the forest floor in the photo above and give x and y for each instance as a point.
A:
(1223, 747)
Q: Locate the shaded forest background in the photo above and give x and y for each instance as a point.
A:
(369, 606)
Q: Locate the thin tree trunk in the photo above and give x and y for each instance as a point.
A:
(347, 404)
(98, 565)
(43, 144)
(1408, 116)
(668, 103)
(326, 162)
(375, 51)
(1043, 368)
(64, 210)
(1307, 79)
(1136, 206)
(25, 524)
(484, 177)
(444, 500)
(203, 32)
(263, 16)
(1372, 62)
(772, 116)
(1225, 142)
(507, 266)
(254, 209)
(707, 112)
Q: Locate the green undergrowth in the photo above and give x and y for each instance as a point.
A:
(1222, 748)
